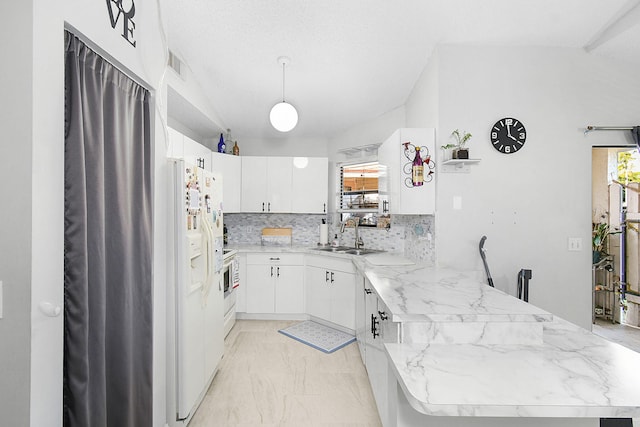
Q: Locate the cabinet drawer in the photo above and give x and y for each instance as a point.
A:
(281, 258)
(331, 263)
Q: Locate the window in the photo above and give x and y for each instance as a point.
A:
(359, 192)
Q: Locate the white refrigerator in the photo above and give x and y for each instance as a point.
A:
(195, 310)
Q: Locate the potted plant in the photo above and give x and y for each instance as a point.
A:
(601, 231)
(460, 150)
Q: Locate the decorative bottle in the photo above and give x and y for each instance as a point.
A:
(236, 149)
(417, 170)
(221, 145)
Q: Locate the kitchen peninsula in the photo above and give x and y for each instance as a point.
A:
(466, 354)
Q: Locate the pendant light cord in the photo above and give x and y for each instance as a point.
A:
(283, 65)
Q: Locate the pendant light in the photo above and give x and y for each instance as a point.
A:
(283, 116)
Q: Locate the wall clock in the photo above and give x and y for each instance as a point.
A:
(508, 135)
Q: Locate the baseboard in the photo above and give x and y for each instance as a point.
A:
(271, 316)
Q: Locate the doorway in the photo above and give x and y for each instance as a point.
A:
(615, 239)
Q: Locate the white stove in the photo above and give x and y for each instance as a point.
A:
(230, 277)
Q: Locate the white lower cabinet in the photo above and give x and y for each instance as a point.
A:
(378, 330)
(330, 290)
(275, 283)
(361, 324)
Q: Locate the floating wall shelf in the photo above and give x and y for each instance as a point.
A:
(458, 165)
(461, 162)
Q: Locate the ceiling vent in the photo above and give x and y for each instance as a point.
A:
(175, 63)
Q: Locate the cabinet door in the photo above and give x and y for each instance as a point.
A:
(194, 150)
(254, 184)
(309, 185)
(371, 313)
(376, 358)
(417, 200)
(402, 198)
(343, 299)
(260, 289)
(289, 289)
(279, 184)
(231, 169)
(318, 292)
(360, 313)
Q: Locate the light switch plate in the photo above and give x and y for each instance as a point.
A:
(457, 203)
(574, 244)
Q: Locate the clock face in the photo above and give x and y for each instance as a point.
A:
(508, 135)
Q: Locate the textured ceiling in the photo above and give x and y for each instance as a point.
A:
(353, 60)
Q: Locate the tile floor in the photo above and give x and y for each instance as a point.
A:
(268, 379)
(625, 335)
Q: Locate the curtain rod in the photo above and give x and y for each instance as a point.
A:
(591, 128)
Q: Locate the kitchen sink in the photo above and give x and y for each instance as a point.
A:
(354, 251)
(348, 250)
(333, 248)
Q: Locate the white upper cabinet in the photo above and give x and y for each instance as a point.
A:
(406, 189)
(230, 167)
(254, 184)
(279, 174)
(310, 184)
(267, 184)
(193, 151)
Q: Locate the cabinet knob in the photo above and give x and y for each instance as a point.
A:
(383, 315)
(278, 271)
(326, 276)
(271, 271)
(332, 277)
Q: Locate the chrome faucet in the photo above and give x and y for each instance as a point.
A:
(359, 244)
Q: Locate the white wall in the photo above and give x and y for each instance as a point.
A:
(15, 214)
(290, 146)
(422, 108)
(372, 132)
(530, 202)
(146, 62)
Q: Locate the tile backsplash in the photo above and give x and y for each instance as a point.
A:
(410, 235)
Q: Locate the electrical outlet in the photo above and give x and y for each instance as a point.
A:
(574, 244)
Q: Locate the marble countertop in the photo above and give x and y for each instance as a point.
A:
(561, 370)
(420, 293)
(573, 374)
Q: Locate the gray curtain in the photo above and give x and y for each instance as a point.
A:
(107, 238)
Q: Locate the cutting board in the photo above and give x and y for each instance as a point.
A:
(276, 236)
